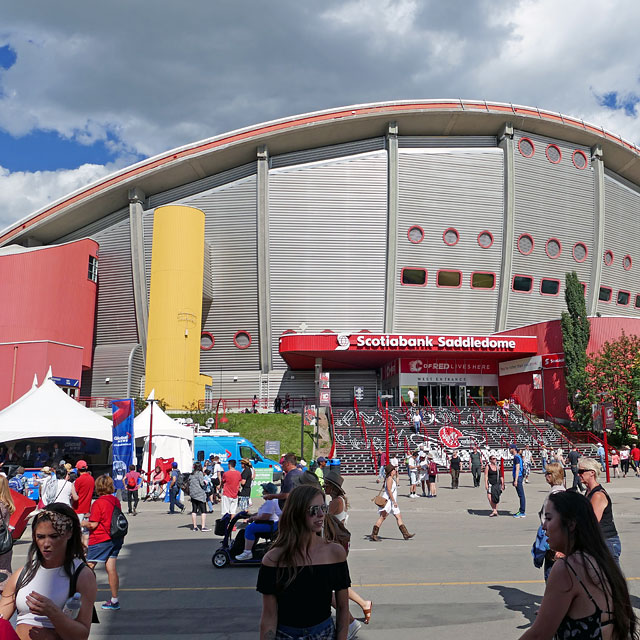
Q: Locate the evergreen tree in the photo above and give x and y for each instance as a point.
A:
(575, 338)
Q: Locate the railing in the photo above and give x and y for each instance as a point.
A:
(452, 404)
(95, 402)
(505, 422)
(355, 407)
(364, 430)
(486, 436)
(333, 435)
(561, 430)
(240, 404)
(374, 457)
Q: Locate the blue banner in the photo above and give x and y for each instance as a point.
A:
(123, 440)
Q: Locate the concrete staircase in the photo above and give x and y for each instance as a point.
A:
(359, 436)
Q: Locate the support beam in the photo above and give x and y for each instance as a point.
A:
(505, 142)
(264, 293)
(392, 225)
(140, 294)
(593, 289)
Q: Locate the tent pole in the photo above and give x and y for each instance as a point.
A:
(150, 442)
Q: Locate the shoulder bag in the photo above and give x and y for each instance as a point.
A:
(380, 500)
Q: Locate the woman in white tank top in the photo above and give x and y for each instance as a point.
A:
(39, 590)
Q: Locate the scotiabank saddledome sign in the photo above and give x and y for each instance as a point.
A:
(480, 344)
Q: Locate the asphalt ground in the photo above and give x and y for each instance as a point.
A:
(463, 572)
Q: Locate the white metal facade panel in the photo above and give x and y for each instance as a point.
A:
(230, 232)
(622, 238)
(551, 201)
(326, 153)
(445, 142)
(327, 237)
(111, 361)
(459, 188)
(99, 225)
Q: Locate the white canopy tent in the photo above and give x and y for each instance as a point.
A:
(47, 411)
(169, 438)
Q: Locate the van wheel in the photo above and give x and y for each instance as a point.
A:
(220, 559)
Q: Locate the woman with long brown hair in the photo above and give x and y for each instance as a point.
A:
(300, 573)
(586, 596)
(7, 508)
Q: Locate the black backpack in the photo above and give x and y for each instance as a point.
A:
(183, 483)
(119, 524)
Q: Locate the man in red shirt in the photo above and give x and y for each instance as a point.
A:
(634, 454)
(84, 486)
(230, 487)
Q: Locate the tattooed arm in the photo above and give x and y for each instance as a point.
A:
(269, 619)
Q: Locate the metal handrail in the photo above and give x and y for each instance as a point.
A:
(364, 430)
(452, 403)
(333, 435)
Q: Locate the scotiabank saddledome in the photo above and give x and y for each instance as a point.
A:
(397, 246)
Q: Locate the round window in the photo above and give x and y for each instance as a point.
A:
(206, 341)
(579, 252)
(242, 339)
(553, 248)
(415, 234)
(608, 258)
(627, 263)
(525, 244)
(554, 155)
(579, 159)
(485, 239)
(526, 148)
(451, 237)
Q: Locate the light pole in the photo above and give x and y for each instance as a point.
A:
(151, 400)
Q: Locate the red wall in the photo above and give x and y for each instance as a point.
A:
(47, 297)
(549, 336)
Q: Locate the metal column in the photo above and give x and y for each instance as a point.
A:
(140, 294)
(264, 295)
(392, 225)
(598, 231)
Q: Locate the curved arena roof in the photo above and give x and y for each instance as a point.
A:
(333, 126)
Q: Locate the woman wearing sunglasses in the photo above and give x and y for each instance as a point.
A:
(586, 596)
(300, 573)
(589, 470)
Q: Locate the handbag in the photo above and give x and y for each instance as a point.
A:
(6, 539)
(379, 500)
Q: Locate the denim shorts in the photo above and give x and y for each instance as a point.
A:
(324, 631)
(102, 551)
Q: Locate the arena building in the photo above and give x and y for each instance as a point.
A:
(407, 245)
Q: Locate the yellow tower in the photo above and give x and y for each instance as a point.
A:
(175, 307)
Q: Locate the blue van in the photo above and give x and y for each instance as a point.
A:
(230, 446)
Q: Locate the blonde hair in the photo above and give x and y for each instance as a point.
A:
(555, 470)
(5, 494)
(591, 464)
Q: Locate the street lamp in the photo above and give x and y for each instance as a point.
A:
(151, 400)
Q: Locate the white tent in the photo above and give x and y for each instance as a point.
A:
(47, 411)
(169, 438)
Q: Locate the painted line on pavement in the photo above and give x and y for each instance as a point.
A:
(369, 585)
(500, 546)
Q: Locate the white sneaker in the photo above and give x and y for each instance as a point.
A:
(245, 555)
(353, 629)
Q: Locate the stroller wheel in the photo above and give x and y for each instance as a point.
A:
(220, 559)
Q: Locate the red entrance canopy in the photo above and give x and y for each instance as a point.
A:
(373, 350)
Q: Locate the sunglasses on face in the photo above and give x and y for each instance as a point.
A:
(581, 471)
(317, 509)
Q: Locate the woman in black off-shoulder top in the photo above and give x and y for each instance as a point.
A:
(300, 572)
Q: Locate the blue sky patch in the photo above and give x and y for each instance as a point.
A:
(7, 57)
(613, 100)
(48, 151)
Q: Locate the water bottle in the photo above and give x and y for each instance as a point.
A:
(72, 606)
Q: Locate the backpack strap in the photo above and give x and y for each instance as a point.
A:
(73, 586)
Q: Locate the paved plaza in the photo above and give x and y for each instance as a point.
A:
(463, 572)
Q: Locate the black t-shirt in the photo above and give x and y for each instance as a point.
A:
(307, 600)
(245, 492)
(455, 463)
(573, 456)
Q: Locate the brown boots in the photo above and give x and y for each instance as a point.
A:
(374, 534)
(405, 534)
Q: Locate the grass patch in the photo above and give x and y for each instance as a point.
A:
(259, 427)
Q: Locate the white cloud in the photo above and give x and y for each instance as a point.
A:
(154, 74)
(22, 192)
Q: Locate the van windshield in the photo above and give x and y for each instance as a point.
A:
(250, 454)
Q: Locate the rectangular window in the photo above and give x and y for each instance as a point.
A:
(451, 279)
(549, 287)
(605, 294)
(483, 280)
(584, 288)
(523, 283)
(93, 269)
(414, 277)
(638, 301)
(623, 298)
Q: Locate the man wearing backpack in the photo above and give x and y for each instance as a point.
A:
(174, 489)
(132, 482)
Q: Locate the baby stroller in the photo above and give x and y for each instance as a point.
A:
(231, 547)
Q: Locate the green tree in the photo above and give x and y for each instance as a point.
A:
(140, 404)
(615, 372)
(575, 339)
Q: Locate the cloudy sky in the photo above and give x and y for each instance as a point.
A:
(88, 88)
